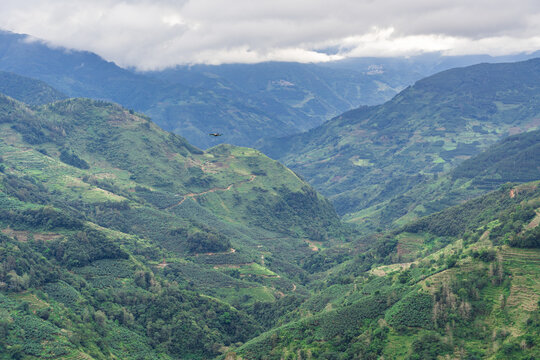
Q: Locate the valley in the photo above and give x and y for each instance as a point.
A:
(369, 156)
(121, 240)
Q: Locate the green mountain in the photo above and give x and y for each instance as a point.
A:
(370, 155)
(29, 91)
(462, 283)
(513, 159)
(309, 94)
(121, 240)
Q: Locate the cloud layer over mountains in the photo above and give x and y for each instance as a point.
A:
(153, 34)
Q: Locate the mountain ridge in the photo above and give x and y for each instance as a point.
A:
(513, 159)
(143, 235)
(370, 154)
(194, 101)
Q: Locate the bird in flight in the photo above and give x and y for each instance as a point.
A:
(215, 134)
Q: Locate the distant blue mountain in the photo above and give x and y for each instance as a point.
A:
(27, 90)
(245, 102)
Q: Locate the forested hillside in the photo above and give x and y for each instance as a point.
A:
(122, 240)
(370, 155)
(29, 91)
(119, 240)
(514, 159)
(462, 283)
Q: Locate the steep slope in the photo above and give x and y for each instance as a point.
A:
(126, 241)
(460, 283)
(372, 154)
(514, 159)
(108, 144)
(30, 91)
(69, 291)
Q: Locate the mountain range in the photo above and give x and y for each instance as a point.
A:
(245, 102)
(120, 240)
(102, 201)
(367, 156)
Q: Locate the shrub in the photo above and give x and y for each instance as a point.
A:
(414, 310)
(428, 346)
(202, 241)
(72, 159)
(86, 246)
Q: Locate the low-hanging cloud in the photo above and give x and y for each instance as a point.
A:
(154, 34)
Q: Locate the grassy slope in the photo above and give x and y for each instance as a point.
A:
(227, 225)
(369, 155)
(513, 159)
(128, 151)
(451, 286)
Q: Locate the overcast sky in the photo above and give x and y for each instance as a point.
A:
(153, 34)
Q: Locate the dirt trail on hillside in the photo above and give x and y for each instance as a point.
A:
(21, 235)
(194, 195)
(230, 251)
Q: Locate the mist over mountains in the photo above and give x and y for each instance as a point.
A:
(391, 209)
(246, 102)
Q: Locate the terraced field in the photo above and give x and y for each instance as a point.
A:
(524, 265)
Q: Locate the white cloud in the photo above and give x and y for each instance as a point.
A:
(152, 34)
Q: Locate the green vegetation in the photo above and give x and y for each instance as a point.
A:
(414, 310)
(119, 240)
(514, 159)
(29, 91)
(72, 159)
(122, 240)
(471, 295)
(413, 139)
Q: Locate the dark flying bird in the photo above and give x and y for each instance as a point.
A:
(215, 134)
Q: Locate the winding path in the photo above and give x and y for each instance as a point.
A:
(194, 195)
(230, 251)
